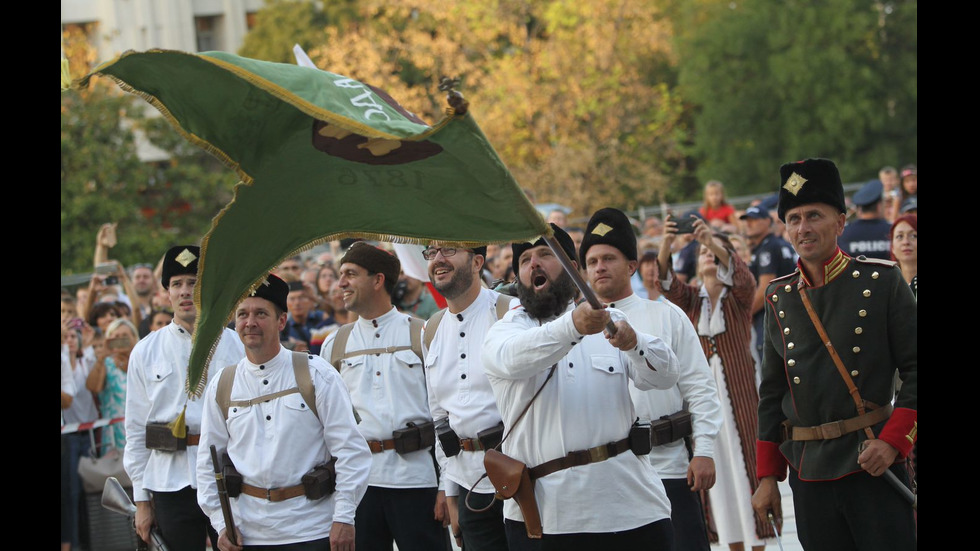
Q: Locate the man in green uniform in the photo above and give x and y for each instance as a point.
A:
(836, 331)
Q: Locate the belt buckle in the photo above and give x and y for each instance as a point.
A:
(268, 493)
(831, 430)
(599, 453)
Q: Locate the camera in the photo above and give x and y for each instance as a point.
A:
(111, 280)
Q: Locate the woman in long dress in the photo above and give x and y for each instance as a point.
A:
(719, 306)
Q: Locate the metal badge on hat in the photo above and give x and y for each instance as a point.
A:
(185, 257)
(601, 229)
(265, 282)
(794, 183)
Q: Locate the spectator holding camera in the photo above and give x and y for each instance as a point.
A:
(107, 379)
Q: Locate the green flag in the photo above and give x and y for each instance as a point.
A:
(321, 157)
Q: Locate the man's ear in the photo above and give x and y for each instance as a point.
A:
(479, 261)
(632, 265)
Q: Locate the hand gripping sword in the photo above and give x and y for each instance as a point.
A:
(115, 499)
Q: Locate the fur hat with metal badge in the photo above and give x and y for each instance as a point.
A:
(810, 181)
(179, 260)
(609, 226)
(273, 289)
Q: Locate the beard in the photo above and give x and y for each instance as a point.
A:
(458, 284)
(552, 301)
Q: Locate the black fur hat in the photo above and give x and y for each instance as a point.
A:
(563, 239)
(810, 181)
(609, 226)
(273, 289)
(374, 260)
(179, 260)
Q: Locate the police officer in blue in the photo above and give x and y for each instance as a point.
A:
(867, 235)
(772, 257)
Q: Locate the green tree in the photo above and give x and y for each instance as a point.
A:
(156, 205)
(773, 81)
(281, 24)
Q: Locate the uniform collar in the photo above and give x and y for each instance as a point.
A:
(178, 331)
(624, 301)
(380, 320)
(276, 362)
(832, 268)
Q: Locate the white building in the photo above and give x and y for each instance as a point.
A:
(115, 26)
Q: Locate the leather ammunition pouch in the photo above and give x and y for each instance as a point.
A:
(640, 439)
(489, 438)
(231, 476)
(511, 479)
(321, 481)
(448, 439)
(671, 428)
(160, 437)
(414, 437)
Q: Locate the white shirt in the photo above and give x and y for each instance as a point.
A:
(155, 394)
(274, 443)
(459, 389)
(695, 385)
(586, 404)
(388, 392)
(82, 408)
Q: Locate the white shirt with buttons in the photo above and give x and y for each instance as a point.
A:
(585, 405)
(274, 443)
(155, 394)
(459, 389)
(388, 391)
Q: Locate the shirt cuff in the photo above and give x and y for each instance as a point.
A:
(343, 511)
(769, 460)
(704, 446)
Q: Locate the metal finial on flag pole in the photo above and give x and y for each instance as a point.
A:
(455, 99)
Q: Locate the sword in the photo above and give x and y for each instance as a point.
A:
(772, 522)
(912, 498)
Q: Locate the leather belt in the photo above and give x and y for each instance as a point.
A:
(581, 457)
(470, 444)
(836, 429)
(273, 494)
(378, 446)
(193, 439)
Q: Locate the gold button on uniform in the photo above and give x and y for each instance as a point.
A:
(786, 331)
(790, 346)
(854, 373)
(775, 298)
(782, 314)
(791, 363)
(874, 275)
(856, 349)
(862, 313)
(788, 288)
(855, 274)
(858, 330)
(867, 293)
(796, 380)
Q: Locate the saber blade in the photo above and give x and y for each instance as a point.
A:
(772, 522)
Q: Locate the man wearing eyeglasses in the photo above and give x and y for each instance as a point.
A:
(379, 357)
(460, 397)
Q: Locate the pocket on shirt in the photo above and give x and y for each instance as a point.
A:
(158, 380)
(355, 362)
(608, 364)
(407, 359)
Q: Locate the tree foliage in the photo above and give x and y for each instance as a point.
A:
(281, 24)
(777, 81)
(103, 179)
(565, 90)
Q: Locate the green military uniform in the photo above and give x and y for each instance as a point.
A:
(869, 314)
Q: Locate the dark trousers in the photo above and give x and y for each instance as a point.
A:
(857, 512)
(182, 523)
(686, 516)
(656, 536)
(482, 531)
(315, 545)
(75, 446)
(404, 516)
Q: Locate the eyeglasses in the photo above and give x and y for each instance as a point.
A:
(430, 253)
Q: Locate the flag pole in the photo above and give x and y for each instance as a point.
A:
(573, 272)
